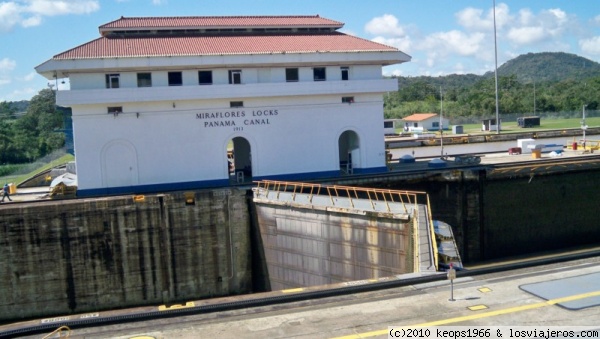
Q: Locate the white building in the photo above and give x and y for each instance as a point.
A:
(158, 102)
(389, 126)
(423, 122)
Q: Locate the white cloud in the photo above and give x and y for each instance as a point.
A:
(7, 65)
(29, 13)
(35, 20)
(403, 44)
(526, 35)
(30, 76)
(471, 18)
(453, 42)
(597, 19)
(61, 7)
(590, 46)
(386, 25)
(9, 16)
(474, 18)
(559, 15)
(20, 94)
(525, 17)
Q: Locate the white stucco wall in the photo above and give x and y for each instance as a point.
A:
(128, 79)
(175, 144)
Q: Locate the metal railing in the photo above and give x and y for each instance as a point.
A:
(372, 195)
(434, 247)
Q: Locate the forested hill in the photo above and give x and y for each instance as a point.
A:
(541, 67)
(540, 82)
(527, 68)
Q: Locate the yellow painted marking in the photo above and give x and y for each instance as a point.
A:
(293, 290)
(174, 307)
(484, 289)
(477, 307)
(143, 337)
(479, 315)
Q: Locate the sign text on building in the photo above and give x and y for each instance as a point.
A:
(237, 118)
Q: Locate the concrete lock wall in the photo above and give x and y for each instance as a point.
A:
(73, 256)
(517, 214)
(309, 247)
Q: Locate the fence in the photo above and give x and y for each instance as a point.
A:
(49, 160)
(513, 116)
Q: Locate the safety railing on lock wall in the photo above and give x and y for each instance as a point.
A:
(374, 196)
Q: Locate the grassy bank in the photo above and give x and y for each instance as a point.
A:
(17, 177)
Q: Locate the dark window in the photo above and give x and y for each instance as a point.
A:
(234, 104)
(115, 110)
(319, 74)
(388, 124)
(235, 76)
(112, 80)
(175, 79)
(291, 74)
(347, 100)
(205, 77)
(144, 79)
(345, 71)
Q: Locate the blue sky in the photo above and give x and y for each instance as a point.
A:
(442, 36)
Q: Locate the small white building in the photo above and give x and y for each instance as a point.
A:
(423, 122)
(389, 126)
(167, 103)
(490, 125)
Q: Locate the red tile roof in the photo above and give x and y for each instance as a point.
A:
(219, 22)
(419, 116)
(216, 45)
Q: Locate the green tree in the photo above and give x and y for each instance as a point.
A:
(35, 133)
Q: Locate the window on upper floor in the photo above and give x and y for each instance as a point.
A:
(319, 74)
(144, 79)
(175, 79)
(347, 100)
(112, 80)
(345, 73)
(115, 110)
(205, 77)
(291, 75)
(235, 104)
(235, 76)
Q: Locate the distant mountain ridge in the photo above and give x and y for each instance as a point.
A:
(548, 66)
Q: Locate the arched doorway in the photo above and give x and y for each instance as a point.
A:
(349, 152)
(239, 157)
(119, 164)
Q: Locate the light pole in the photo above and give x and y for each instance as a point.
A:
(442, 121)
(583, 127)
(496, 71)
(534, 97)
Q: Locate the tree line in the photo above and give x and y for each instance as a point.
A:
(475, 96)
(39, 131)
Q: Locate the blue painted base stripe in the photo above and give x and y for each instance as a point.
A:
(94, 192)
(178, 186)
